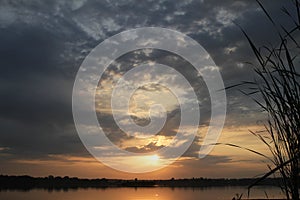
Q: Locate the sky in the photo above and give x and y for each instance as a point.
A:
(43, 44)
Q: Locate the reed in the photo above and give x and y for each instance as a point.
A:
(276, 89)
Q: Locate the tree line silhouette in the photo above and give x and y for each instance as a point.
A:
(64, 183)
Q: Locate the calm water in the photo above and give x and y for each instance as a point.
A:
(141, 194)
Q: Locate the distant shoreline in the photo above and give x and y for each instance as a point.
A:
(64, 183)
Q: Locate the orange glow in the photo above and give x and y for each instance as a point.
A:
(236, 163)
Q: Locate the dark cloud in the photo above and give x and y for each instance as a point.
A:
(152, 146)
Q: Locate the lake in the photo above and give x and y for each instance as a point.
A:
(152, 193)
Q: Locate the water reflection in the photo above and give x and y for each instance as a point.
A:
(154, 193)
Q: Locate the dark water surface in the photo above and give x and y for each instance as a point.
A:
(155, 193)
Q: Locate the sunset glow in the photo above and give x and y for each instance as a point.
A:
(154, 158)
(44, 46)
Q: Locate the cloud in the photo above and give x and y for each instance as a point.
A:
(43, 44)
(144, 149)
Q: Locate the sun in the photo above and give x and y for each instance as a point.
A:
(154, 158)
